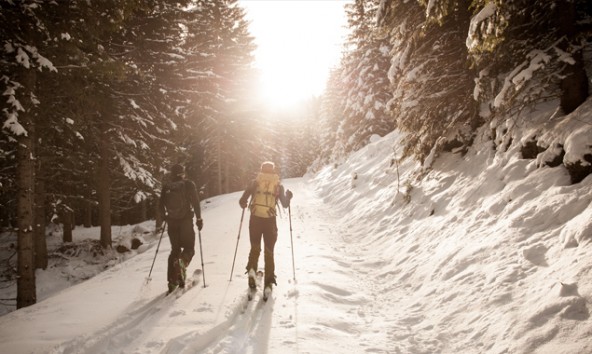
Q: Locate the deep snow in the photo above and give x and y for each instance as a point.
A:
(475, 253)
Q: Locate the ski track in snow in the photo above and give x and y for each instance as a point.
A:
(246, 330)
(131, 332)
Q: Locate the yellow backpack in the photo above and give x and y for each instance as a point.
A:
(265, 196)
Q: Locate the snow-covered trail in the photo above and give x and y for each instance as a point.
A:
(325, 309)
(485, 255)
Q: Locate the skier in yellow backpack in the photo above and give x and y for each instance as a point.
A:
(264, 190)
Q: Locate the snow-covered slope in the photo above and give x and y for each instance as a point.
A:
(485, 253)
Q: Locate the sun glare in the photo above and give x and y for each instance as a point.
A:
(283, 86)
(297, 44)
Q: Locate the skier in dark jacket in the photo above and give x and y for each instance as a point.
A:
(264, 191)
(179, 202)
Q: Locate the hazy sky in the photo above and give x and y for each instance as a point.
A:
(298, 42)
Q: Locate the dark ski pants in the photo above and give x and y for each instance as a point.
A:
(265, 228)
(182, 237)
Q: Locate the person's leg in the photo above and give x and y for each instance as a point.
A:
(173, 260)
(187, 241)
(255, 234)
(269, 240)
(187, 244)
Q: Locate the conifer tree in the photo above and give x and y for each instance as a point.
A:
(227, 120)
(22, 56)
(530, 51)
(331, 115)
(365, 68)
(432, 85)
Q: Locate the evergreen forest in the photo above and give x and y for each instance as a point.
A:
(100, 98)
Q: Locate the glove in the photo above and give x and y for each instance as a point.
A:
(289, 194)
(199, 224)
(242, 203)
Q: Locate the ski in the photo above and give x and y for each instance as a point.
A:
(189, 283)
(192, 281)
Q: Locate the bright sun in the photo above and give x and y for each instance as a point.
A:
(284, 85)
(297, 44)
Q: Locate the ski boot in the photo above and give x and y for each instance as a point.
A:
(252, 284)
(172, 287)
(267, 291)
(269, 282)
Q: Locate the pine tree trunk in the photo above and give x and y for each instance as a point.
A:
(143, 210)
(87, 218)
(66, 217)
(40, 224)
(104, 192)
(227, 176)
(26, 290)
(219, 166)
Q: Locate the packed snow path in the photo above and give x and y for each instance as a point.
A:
(326, 309)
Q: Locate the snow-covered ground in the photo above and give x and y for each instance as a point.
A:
(487, 254)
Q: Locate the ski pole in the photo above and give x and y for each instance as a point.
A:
(238, 238)
(157, 247)
(203, 270)
(292, 242)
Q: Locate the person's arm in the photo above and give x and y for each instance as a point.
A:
(195, 203)
(243, 201)
(285, 197)
(194, 198)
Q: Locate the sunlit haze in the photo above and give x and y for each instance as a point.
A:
(297, 44)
